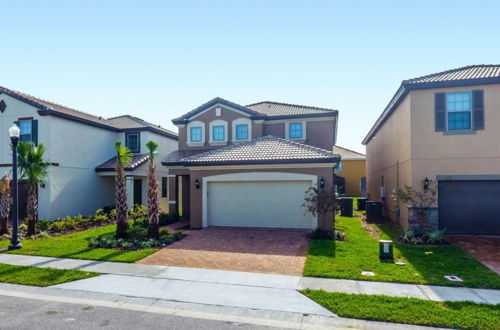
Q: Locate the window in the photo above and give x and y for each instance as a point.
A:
(241, 132)
(132, 142)
(164, 187)
(458, 109)
(339, 167)
(26, 128)
(295, 130)
(218, 133)
(195, 134)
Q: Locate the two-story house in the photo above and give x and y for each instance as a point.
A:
(80, 147)
(249, 166)
(443, 127)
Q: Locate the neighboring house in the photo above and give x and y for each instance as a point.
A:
(443, 127)
(249, 166)
(352, 168)
(81, 149)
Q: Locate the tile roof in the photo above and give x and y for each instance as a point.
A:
(263, 110)
(264, 150)
(116, 124)
(464, 73)
(278, 110)
(465, 76)
(348, 154)
(110, 165)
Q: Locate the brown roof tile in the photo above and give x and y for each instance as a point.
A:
(348, 154)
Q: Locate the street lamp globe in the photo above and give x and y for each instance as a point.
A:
(14, 131)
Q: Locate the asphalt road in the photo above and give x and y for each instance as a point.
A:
(20, 313)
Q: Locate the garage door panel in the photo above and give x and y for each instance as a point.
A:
(470, 207)
(272, 204)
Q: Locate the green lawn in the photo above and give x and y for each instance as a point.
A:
(76, 246)
(462, 315)
(40, 276)
(424, 264)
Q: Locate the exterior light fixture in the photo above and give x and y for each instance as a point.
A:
(15, 243)
(14, 131)
(197, 183)
(322, 182)
(426, 183)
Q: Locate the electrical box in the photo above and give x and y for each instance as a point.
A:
(382, 191)
(385, 249)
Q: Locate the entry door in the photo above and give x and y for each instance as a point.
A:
(272, 204)
(137, 191)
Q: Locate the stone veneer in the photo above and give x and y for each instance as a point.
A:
(423, 219)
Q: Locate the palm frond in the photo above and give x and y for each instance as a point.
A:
(123, 154)
(152, 147)
(32, 165)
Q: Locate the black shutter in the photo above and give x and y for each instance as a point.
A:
(34, 131)
(478, 109)
(440, 112)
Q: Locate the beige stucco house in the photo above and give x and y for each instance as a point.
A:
(444, 127)
(249, 166)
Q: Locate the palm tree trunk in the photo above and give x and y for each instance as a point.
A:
(153, 205)
(121, 203)
(32, 209)
(5, 202)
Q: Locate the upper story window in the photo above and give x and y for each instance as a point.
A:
(242, 132)
(26, 127)
(132, 141)
(295, 131)
(195, 134)
(218, 133)
(459, 110)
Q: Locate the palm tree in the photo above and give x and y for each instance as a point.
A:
(33, 168)
(153, 205)
(123, 158)
(5, 202)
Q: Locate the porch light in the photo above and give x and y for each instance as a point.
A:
(426, 183)
(322, 183)
(197, 183)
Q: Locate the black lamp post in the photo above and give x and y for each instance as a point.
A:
(14, 133)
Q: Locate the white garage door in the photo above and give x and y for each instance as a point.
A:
(272, 204)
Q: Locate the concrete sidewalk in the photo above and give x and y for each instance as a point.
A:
(230, 283)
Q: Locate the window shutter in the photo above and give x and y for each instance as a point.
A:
(34, 131)
(478, 109)
(440, 112)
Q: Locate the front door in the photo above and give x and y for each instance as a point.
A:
(137, 191)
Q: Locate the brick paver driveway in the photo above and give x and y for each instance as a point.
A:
(276, 251)
(484, 248)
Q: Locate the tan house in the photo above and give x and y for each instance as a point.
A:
(443, 127)
(352, 169)
(249, 166)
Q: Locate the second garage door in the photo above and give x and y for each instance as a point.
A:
(271, 204)
(469, 207)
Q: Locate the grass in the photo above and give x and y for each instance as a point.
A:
(462, 315)
(34, 276)
(76, 246)
(424, 264)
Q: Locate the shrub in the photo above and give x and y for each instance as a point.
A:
(138, 211)
(42, 225)
(435, 236)
(168, 218)
(163, 232)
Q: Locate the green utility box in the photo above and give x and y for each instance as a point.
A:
(385, 249)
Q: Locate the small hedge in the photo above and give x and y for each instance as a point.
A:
(136, 238)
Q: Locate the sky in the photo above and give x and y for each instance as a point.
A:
(160, 59)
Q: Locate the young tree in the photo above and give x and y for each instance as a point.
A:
(5, 204)
(320, 202)
(153, 204)
(123, 158)
(34, 169)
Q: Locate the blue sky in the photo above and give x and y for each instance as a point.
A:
(160, 59)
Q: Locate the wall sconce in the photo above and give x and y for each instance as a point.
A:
(322, 183)
(426, 183)
(197, 183)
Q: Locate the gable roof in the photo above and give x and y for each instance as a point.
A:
(262, 110)
(131, 123)
(264, 150)
(348, 154)
(47, 108)
(464, 76)
(276, 110)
